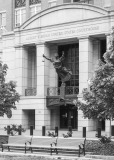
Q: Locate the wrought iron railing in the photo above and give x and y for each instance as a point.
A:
(32, 2)
(86, 1)
(78, 1)
(53, 91)
(69, 90)
(30, 92)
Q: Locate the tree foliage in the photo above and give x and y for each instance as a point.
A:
(8, 93)
(98, 101)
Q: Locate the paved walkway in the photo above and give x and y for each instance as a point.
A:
(18, 156)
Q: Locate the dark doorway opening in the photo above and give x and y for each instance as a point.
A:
(28, 118)
(102, 48)
(68, 117)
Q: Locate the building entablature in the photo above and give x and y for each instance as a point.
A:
(64, 13)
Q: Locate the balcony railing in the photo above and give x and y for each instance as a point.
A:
(30, 92)
(53, 91)
(86, 1)
(78, 1)
(69, 90)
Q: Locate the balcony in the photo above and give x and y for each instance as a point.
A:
(69, 90)
(54, 91)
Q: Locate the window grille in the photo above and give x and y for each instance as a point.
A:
(80, 1)
(66, 1)
(20, 3)
(32, 2)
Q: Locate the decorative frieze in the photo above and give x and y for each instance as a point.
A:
(58, 101)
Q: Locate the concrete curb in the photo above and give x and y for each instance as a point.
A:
(103, 157)
(41, 156)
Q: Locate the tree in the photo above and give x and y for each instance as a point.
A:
(8, 93)
(98, 101)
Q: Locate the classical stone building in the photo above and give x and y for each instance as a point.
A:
(31, 28)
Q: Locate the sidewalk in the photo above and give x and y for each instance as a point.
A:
(89, 134)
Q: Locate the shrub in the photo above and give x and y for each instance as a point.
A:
(51, 134)
(105, 139)
(69, 134)
(14, 129)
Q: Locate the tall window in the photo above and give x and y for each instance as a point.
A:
(34, 9)
(20, 16)
(52, 3)
(71, 62)
(20, 12)
(3, 19)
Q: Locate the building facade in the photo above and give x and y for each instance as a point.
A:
(31, 28)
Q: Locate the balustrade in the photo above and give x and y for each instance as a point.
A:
(53, 91)
(30, 92)
(69, 90)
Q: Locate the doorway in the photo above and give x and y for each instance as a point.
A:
(28, 118)
(68, 117)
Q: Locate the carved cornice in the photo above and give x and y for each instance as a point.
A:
(51, 102)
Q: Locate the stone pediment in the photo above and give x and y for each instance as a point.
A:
(64, 14)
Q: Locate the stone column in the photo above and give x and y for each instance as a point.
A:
(107, 122)
(42, 114)
(96, 52)
(85, 72)
(42, 69)
(107, 41)
(85, 62)
(20, 53)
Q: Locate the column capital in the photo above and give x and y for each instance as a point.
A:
(107, 34)
(18, 46)
(86, 37)
(42, 44)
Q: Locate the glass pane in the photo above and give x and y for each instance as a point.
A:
(38, 9)
(23, 11)
(51, 4)
(17, 19)
(23, 18)
(71, 62)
